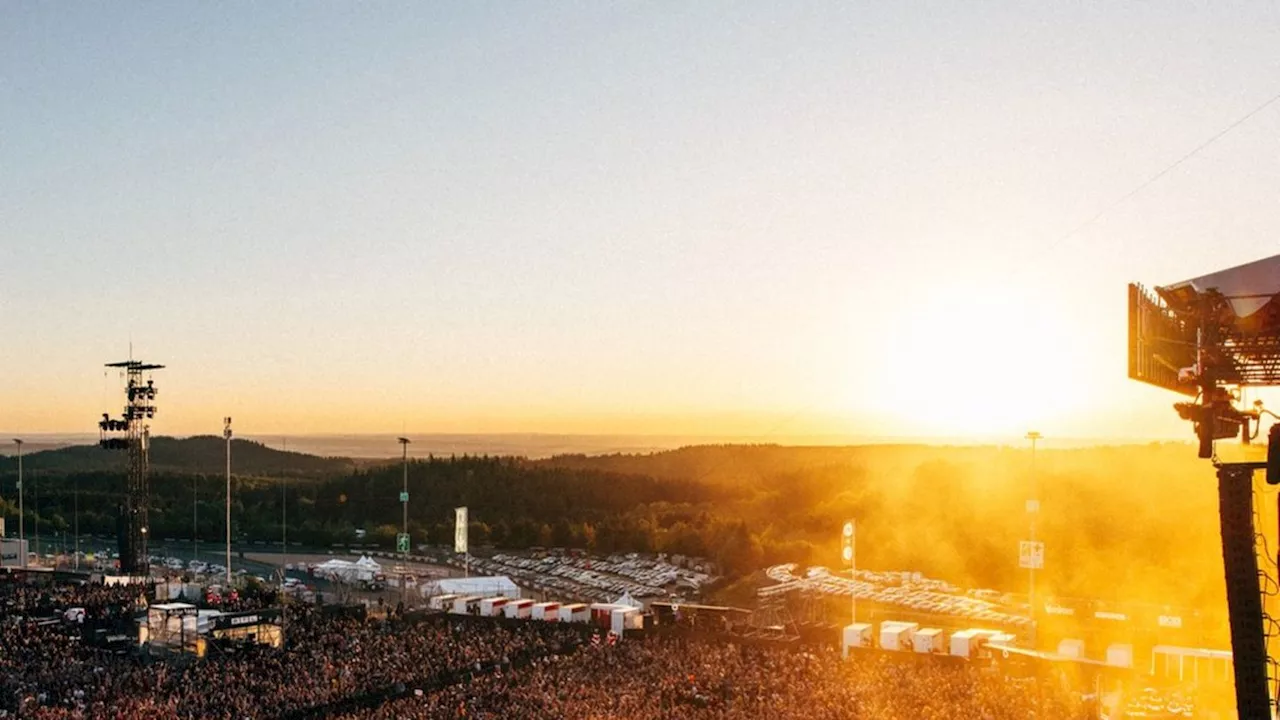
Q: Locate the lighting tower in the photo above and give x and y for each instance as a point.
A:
(132, 433)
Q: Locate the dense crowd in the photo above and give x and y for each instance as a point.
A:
(46, 671)
(680, 678)
(345, 666)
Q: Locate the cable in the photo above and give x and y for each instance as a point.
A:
(1168, 169)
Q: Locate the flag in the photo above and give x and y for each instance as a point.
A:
(460, 530)
(595, 639)
(613, 638)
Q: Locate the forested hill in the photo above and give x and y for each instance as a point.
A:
(204, 454)
(753, 464)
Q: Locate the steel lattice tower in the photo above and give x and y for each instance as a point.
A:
(132, 433)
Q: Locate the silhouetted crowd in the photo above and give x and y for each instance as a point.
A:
(47, 671)
(365, 669)
(676, 678)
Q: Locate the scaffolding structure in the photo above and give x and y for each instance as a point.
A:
(131, 433)
(1210, 338)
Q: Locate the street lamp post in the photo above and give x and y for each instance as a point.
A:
(1033, 509)
(22, 513)
(850, 551)
(404, 502)
(76, 520)
(284, 517)
(35, 515)
(226, 433)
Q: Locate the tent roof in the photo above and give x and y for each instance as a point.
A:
(487, 586)
(626, 599)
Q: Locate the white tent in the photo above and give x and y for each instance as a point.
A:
(493, 586)
(362, 570)
(626, 599)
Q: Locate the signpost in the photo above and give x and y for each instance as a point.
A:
(1031, 555)
(404, 497)
(402, 542)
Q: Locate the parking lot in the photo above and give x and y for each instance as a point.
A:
(906, 590)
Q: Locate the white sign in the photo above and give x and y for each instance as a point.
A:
(1059, 610)
(460, 530)
(1031, 555)
(1170, 621)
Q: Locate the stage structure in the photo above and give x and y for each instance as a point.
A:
(1210, 339)
(131, 432)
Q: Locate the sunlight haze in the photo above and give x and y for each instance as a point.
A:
(745, 219)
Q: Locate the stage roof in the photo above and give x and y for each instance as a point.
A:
(1247, 288)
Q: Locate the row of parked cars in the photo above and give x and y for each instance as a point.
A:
(590, 578)
(906, 590)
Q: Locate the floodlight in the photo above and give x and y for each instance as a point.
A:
(848, 553)
(848, 529)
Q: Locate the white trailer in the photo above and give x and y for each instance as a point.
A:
(466, 605)
(624, 619)
(546, 611)
(442, 602)
(1071, 648)
(575, 613)
(896, 635)
(602, 614)
(967, 643)
(492, 607)
(929, 640)
(1120, 655)
(857, 635)
(518, 609)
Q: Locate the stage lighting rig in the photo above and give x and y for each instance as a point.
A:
(131, 432)
(1209, 338)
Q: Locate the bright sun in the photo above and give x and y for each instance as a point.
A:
(975, 363)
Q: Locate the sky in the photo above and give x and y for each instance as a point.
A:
(712, 218)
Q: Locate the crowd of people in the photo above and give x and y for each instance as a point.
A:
(348, 666)
(47, 670)
(677, 678)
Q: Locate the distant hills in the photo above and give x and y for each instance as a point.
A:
(204, 454)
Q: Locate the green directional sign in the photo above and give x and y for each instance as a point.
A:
(402, 542)
(404, 497)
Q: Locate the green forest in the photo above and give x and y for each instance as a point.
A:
(1125, 522)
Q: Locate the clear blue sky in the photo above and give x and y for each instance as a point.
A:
(735, 218)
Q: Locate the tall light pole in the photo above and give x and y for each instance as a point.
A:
(1033, 509)
(850, 550)
(284, 517)
(22, 513)
(226, 433)
(35, 515)
(195, 518)
(404, 502)
(76, 519)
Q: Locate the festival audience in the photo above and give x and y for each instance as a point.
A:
(440, 667)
